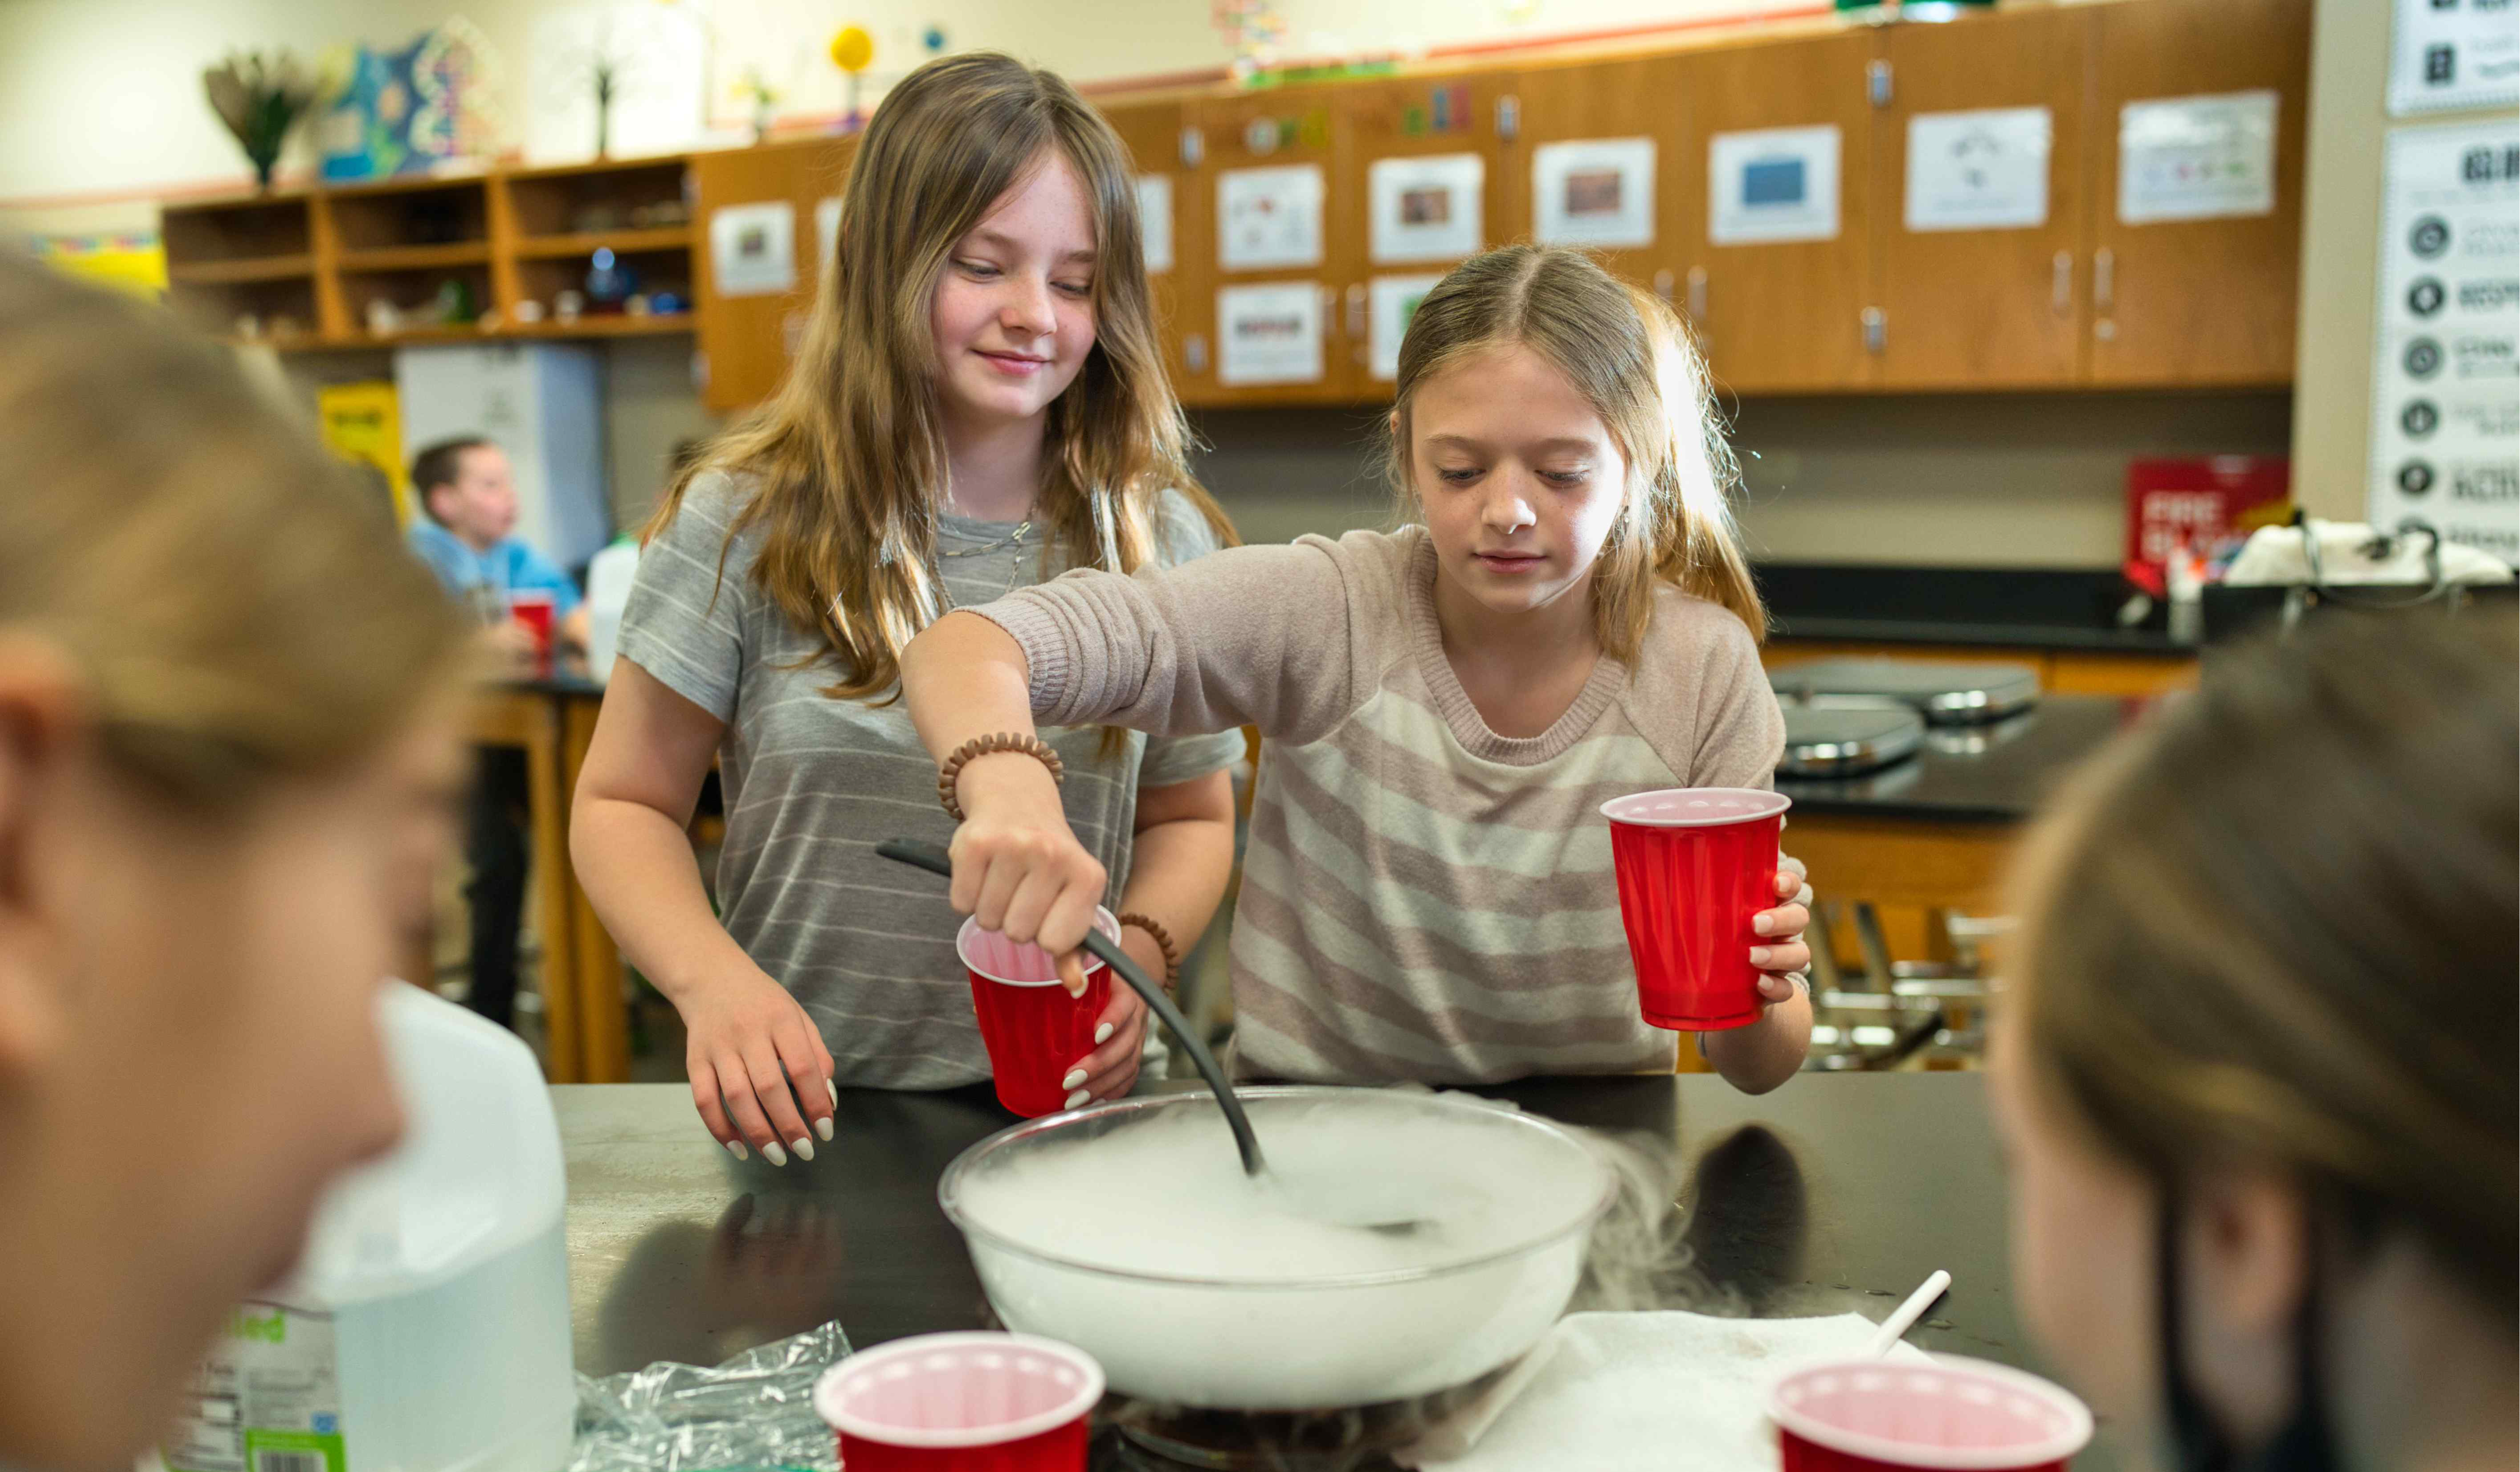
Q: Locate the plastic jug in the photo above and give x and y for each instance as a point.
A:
(426, 1329)
(607, 593)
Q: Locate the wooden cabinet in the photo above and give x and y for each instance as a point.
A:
(2206, 300)
(746, 342)
(1420, 134)
(1783, 315)
(1297, 128)
(1995, 307)
(1634, 97)
(1152, 132)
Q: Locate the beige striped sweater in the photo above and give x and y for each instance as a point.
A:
(1422, 899)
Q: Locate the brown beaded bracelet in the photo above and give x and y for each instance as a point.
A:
(950, 771)
(1163, 942)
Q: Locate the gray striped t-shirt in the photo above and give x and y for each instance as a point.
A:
(813, 783)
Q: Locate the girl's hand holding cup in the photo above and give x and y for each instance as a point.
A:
(1017, 867)
(1785, 953)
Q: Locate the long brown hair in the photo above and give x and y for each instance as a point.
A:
(234, 598)
(2276, 929)
(848, 460)
(1634, 362)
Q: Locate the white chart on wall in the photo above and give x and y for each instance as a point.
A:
(2449, 54)
(1985, 169)
(1430, 208)
(2196, 158)
(1596, 191)
(2446, 374)
(1775, 184)
(1269, 335)
(1269, 218)
(1392, 302)
(1156, 221)
(752, 249)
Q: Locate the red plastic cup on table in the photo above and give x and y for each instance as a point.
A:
(962, 1402)
(536, 610)
(1035, 1032)
(1950, 1415)
(1695, 864)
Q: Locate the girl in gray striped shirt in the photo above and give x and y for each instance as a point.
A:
(978, 402)
(1429, 892)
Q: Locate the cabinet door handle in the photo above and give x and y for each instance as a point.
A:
(1663, 284)
(1876, 329)
(2064, 284)
(1194, 351)
(1356, 311)
(1698, 294)
(1194, 146)
(2104, 279)
(1509, 118)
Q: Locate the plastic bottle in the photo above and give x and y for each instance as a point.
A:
(607, 594)
(426, 1329)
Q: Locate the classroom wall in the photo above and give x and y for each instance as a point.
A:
(2340, 252)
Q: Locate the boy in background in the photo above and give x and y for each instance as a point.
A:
(465, 487)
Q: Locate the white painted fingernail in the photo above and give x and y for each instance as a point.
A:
(834, 1089)
(734, 1148)
(1075, 1076)
(1077, 1101)
(772, 1153)
(803, 1147)
(823, 1128)
(1759, 955)
(1103, 1033)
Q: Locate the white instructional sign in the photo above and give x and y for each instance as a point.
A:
(1776, 184)
(2198, 157)
(1428, 209)
(752, 249)
(1979, 170)
(1268, 218)
(2446, 54)
(1269, 335)
(1391, 301)
(1156, 221)
(1598, 192)
(2445, 377)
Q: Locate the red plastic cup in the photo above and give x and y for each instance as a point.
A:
(962, 1402)
(1695, 864)
(1952, 1415)
(1035, 1032)
(536, 610)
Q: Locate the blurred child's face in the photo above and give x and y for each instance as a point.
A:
(1519, 480)
(187, 1056)
(2083, 1240)
(479, 505)
(1014, 310)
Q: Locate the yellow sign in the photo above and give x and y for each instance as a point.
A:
(362, 423)
(852, 50)
(135, 263)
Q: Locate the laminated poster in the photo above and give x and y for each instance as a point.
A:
(1393, 300)
(1428, 209)
(2446, 379)
(752, 249)
(1267, 218)
(1598, 192)
(1269, 335)
(1978, 170)
(1155, 220)
(1776, 184)
(2450, 54)
(2196, 158)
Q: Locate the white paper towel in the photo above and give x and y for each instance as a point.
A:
(1663, 1392)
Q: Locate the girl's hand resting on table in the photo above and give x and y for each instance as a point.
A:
(760, 1074)
(1785, 953)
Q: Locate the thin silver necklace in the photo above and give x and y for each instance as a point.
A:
(1014, 569)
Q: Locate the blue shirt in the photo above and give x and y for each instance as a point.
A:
(508, 566)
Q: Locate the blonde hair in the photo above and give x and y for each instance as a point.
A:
(848, 460)
(2276, 927)
(237, 607)
(1634, 362)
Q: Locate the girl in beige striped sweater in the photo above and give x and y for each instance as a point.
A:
(1428, 893)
